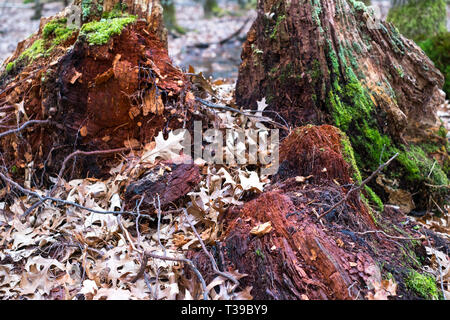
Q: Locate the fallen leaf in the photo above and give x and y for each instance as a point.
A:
(261, 229)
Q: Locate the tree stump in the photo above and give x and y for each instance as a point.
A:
(107, 83)
(330, 61)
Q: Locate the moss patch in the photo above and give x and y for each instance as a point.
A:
(352, 107)
(57, 32)
(424, 286)
(420, 168)
(99, 32)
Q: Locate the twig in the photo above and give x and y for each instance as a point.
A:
(158, 208)
(137, 219)
(189, 263)
(61, 171)
(226, 108)
(359, 187)
(432, 168)
(87, 153)
(211, 258)
(435, 186)
(389, 236)
(437, 206)
(141, 269)
(66, 202)
(23, 126)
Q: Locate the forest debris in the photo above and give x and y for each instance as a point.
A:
(164, 149)
(383, 290)
(261, 229)
(170, 186)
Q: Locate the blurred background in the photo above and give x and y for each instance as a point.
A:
(208, 34)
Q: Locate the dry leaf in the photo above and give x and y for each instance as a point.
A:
(261, 229)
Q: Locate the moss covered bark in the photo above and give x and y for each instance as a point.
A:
(347, 70)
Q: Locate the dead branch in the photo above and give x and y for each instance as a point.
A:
(359, 187)
(158, 207)
(86, 153)
(389, 236)
(227, 108)
(23, 126)
(188, 262)
(63, 168)
(62, 201)
(211, 258)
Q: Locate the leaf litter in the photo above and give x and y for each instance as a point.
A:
(66, 252)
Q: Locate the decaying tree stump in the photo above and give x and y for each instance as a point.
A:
(346, 254)
(104, 84)
(330, 61)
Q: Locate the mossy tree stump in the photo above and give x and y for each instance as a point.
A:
(330, 61)
(107, 83)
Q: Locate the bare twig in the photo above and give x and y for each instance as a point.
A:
(158, 208)
(62, 201)
(87, 153)
(211, 258)
(226, 108)
(359, 187)
(23, 126)
(61, 172)
(389, 236)
(189, 263)
(141, 269)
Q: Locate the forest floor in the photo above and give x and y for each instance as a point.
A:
(77, 253)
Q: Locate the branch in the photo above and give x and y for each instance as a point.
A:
(87, 153)
(23, 126)
(358, 188)
(211, 258)
(389, 236)
(63, 168)
(188, 262)
(226, 108)
(62, 201)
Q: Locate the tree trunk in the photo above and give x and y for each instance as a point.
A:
(116, 87)
(330, 61)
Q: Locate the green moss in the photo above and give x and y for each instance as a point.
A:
(419, 20)
(280, 19)
(57, 31)
(424, 286)
(420, 168)
(9, 67)
(99, 32)
(374, 198)
(349, 156)
(437, 49)
(36, 50)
